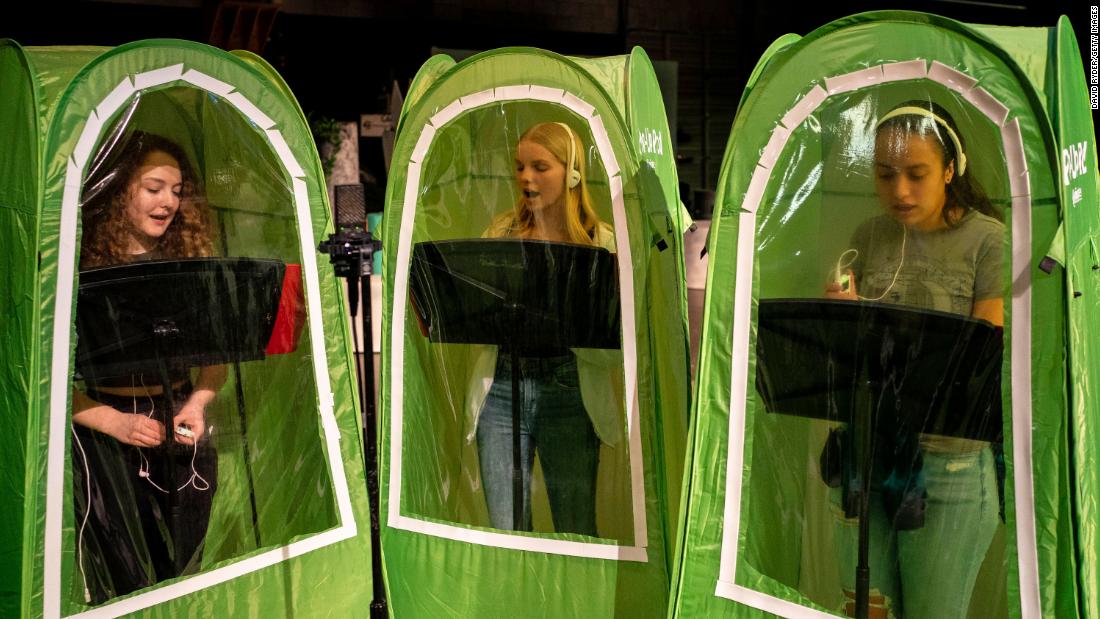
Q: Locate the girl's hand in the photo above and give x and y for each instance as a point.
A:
(134, 429)
(193, 417)
(835, 290)
(193, 413)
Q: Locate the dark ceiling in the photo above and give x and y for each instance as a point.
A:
(340, 58)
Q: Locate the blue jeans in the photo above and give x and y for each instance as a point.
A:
(553, 421)
(930, 571)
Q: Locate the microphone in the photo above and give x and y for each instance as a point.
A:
(350, 207)
(351, 247)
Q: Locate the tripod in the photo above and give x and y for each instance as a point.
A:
(350, 251)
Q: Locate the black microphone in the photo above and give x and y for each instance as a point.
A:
(350, 207)
(351, 247)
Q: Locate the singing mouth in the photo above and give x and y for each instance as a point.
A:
(530, 194)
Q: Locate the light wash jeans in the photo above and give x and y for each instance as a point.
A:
(928, 572)
(553, 422)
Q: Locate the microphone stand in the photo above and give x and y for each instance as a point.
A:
(350, 251)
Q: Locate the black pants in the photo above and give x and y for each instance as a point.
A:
(136, 534)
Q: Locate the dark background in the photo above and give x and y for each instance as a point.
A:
(341, 58)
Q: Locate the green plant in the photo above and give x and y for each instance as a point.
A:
(327, 135)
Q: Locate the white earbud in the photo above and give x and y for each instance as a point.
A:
(573, 176)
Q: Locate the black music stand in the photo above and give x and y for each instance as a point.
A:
(869, 364)
(530, 298)
(163, 317)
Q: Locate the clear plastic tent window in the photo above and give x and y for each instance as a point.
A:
(235, 450)
(823, 206)
(462, 186)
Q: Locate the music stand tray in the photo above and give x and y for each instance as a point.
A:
(814, 354)
(203, 311)
(469, 291)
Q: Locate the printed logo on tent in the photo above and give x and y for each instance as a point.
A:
(651, 142)
(1074, 159)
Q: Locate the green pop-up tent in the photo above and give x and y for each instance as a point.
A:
(454, 172)
(760, 535)
(288, 530)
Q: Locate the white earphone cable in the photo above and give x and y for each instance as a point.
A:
(143, 467)
(842, 265)
(87, 512)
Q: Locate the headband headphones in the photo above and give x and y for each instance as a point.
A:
(919, 111)
(573, 176)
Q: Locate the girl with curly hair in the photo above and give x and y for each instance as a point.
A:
(142, 202)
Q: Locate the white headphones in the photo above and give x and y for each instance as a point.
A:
(574, 176)
(919, 111)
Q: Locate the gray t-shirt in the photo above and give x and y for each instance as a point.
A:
(945, 270)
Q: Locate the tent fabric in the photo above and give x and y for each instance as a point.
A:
(795, 184)
(1079, 183)
(453, 177)
(290, 501)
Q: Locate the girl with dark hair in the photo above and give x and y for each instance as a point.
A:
(142, 202)
(938, 246)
